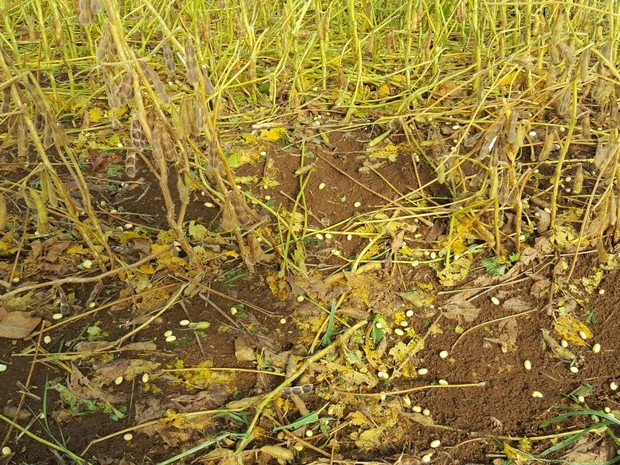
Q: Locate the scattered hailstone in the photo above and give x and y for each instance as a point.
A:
(168, 333)
(581, 399)
(495, 300)
(300, 298)
(57, 316)
(409, 313)
(426, 412)
(527, 365)
(423, 371)
(118, 380)
(378, 325)
(532, 133)
(145, 378)
(537, 394)
(433, 255)
(443, 382)
(209, 205)
(171, 338)
(444, 354)
(263, 153)
(6, 450)
(583, 335)
(574, 370)
(407, 401)
(564, 343)
(47, 339)
(426, 458)
(128, 437)
(601, 291)
(613, 386)
(357, 204)
(92, 305)
(87, 264)
(349, 237)
(233, 310)
(399, 332)
(184, 323)
(3, 367)
(322, 186)
(283, 321)
(336, 252)
(607, 410)
(417, 409)
(309, 433)
(319, 237)
(596, 348)
(435, 444)
(404, 324)
(15, 280)
(328, 236)
(383, 375)
(128, 225)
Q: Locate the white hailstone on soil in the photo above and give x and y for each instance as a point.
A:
(495, 300)
(444, 354)
(435, 444)
(527, 365)
(423, 371)
(596, 348)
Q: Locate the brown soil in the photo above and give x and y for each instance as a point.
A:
(472, 423)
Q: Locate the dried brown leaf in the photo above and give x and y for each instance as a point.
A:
(244, 352)
(457, 308)
(17, 325)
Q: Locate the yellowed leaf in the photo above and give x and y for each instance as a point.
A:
(273, 134)
(456, 271)
(570, 328)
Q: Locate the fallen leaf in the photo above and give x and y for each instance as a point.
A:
(559, 352)
(516, 305)
(244, 352)
(507, 335)
(281, 454)
(17, 325)
(457, 308)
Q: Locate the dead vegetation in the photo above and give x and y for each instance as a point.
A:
(384, 206)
